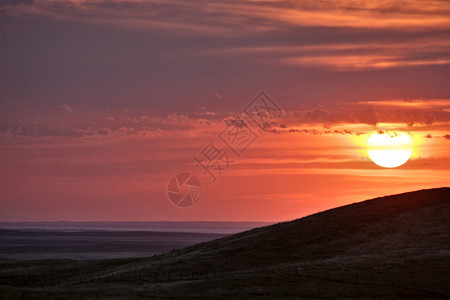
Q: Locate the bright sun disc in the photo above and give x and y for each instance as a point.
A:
(389, 149)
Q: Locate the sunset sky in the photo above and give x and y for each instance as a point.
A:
(102, 102)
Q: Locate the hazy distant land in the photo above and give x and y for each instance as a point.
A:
(99, 240)
(161, 226)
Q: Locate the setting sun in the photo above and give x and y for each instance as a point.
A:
(389, 149)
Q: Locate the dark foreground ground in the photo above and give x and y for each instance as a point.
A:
(390, 247)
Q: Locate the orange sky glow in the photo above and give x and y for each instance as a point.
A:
(103, 102)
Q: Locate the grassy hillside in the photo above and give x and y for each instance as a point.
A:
(391, 247)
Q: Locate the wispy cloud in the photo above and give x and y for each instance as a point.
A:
(407, 112)
(322, 119)
(250, 16)
(359, 54)
(351, 35)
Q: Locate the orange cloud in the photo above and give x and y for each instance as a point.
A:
(246, 17)
(358, 55)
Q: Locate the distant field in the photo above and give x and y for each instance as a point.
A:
(159, 226)
(32, 244)
(101, 240)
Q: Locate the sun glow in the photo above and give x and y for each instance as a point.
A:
(389, 149)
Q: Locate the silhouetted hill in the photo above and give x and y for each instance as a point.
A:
(390, 247)
(411, 216)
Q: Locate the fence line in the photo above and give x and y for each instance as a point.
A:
(151, 276)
